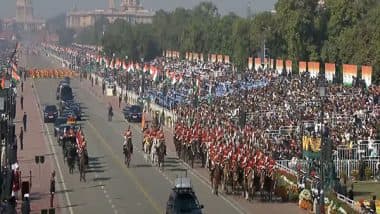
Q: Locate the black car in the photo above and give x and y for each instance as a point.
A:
(133, 113)
(58, 122)
(60, 86)
(50, 113)
(183, 199)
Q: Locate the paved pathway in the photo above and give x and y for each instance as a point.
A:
(35, 143)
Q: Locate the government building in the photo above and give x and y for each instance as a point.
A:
(24, 20)
(130, 10)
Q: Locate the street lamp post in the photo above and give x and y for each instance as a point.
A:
(322, 95)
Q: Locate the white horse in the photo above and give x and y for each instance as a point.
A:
(153, 152)
(146, 150)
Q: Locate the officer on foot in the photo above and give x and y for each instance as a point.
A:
(21, 138)
(52, 188)
(24, 120)
(22, 102)
(25, 207)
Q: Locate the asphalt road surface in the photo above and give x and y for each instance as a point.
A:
(111, 187)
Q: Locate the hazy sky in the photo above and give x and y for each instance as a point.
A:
(49, 8)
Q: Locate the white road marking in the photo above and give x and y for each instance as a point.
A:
(53, 150)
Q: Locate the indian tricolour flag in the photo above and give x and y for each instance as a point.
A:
(154, 73)
(349, 71)
(146, 68)
(108, 63)
(313, 69)
(279, 65)
(125, 66)
(173, 77)
(329, 71)
(250, 63)
(15, 76)
(367, 75)
(131, 67)
(289, 66)
(302, 67)
(257, 64)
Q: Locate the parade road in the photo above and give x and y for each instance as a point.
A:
(111, 187)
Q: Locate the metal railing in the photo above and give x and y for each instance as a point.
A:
(345, 167)
(362, 150)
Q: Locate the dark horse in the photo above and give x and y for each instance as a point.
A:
(82, 165)
(268, 184)
(128, 151)
(71, 157)
(192, 151)
(216, 176)
(161, 152)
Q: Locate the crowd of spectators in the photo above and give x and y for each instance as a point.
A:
(263, 109)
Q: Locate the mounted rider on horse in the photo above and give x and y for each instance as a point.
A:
(127, 146)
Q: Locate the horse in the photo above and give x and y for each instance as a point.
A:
(72, 154)
(256, 181)
(183, 151)
(216, 178)
(128, 151)
(192, 151)
(65, 152)
(267, 183)
(153, 151)
(203, 154)
(227, 177)
(249, 176)
(82, 166)
(161, 152)
(237, 178)
(270, 184)
(177, 145)
(147, 147)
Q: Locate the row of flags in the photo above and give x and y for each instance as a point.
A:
(155, 71)
(14, 70)
(313, 67)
